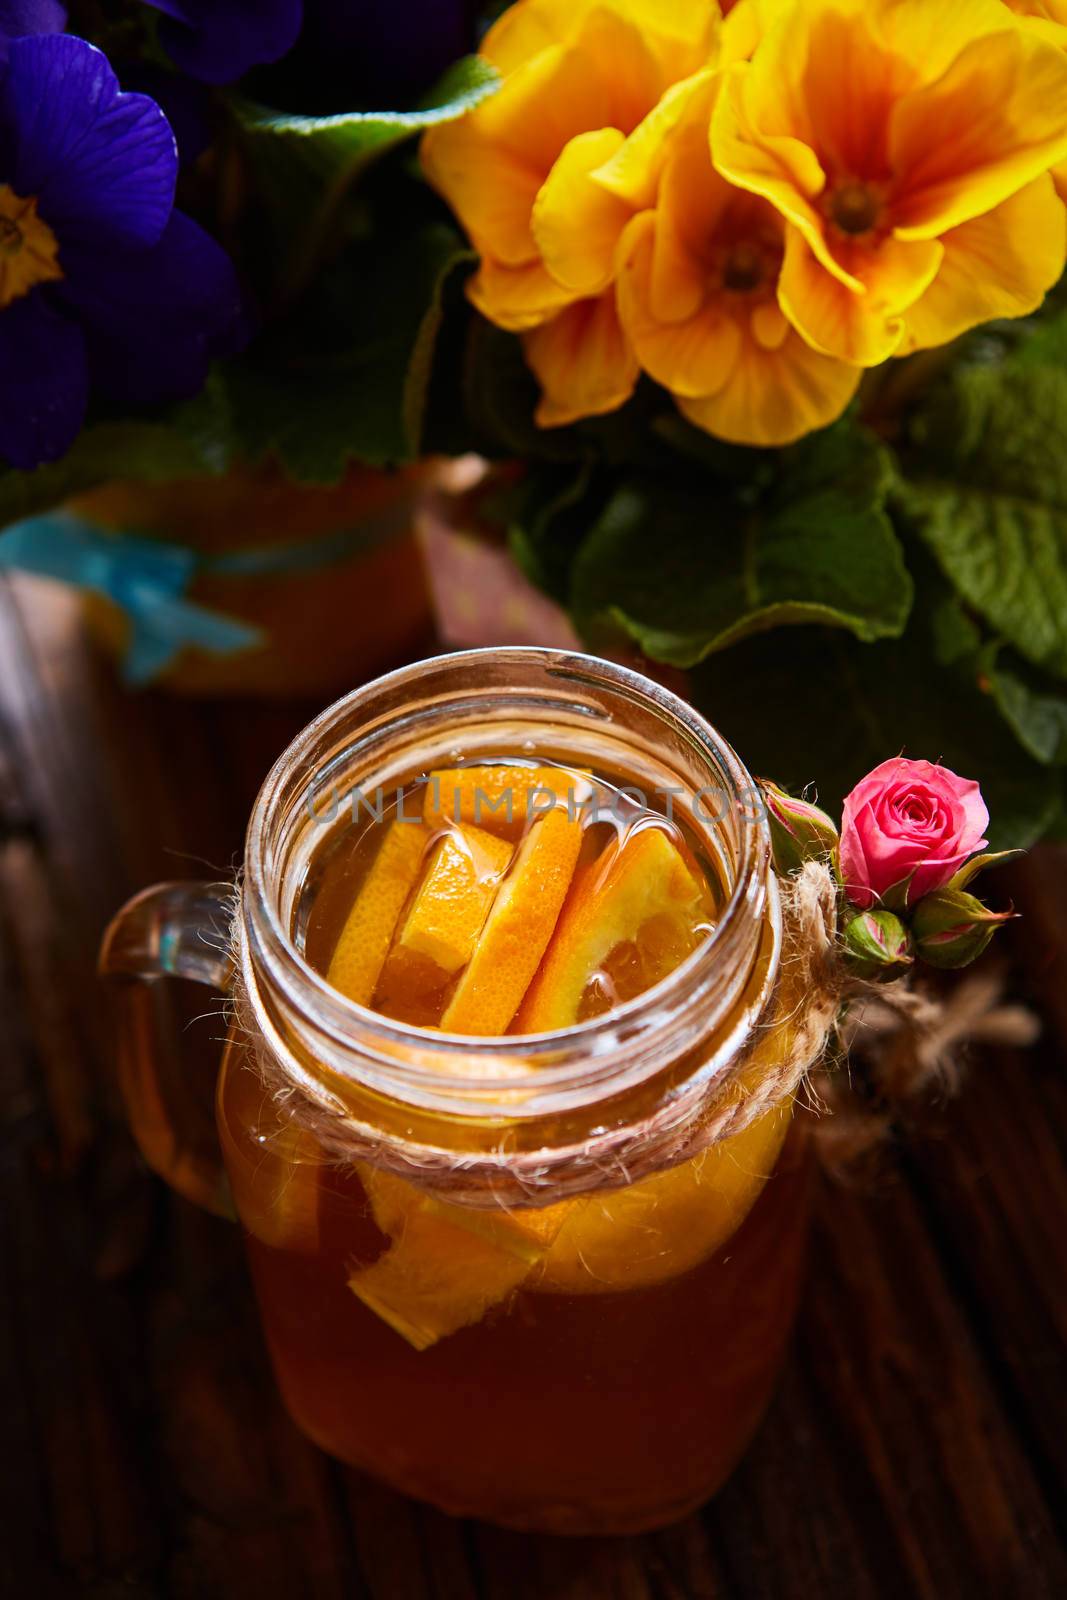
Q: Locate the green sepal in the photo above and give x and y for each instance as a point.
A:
(951, 929)
(897, 895)
(977, 864)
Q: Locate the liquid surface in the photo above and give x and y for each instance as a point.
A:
(514, 897)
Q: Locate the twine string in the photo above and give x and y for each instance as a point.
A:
(820, 1018)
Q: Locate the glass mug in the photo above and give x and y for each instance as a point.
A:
(602, 1228)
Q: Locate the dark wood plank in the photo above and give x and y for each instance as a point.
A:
(255, 1508)
(406, 1549)
(991, 1173)
(159, 1454)
(526, 1567)
(77, 1480)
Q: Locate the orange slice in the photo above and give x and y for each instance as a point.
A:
(496, 798)
(447, 1264)
(644, 890)
(667, 1224)
(434, 1281)
(518, 928)
(360, 952)
(453, 900)
(525, 1234)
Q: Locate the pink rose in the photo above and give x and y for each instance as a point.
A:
(908, 817)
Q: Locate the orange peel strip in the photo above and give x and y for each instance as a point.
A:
(496, 798)
(518, 928)
(432, 1282)
(360, 952)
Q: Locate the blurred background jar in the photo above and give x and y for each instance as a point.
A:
(330, 581)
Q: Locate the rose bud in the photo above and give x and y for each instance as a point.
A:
(876, 943)
(799, 831)
(908, 826)
(951, 928)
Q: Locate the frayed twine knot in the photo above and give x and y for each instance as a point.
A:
(887, 1044)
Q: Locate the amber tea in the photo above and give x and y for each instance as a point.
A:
(613, 1350)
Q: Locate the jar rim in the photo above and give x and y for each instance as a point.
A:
(269, 953)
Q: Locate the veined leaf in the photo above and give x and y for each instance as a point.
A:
(347, 376)
(988, 494)
(815, 706)
(1035, 708)
(334, 147)
(686, 570)
(304, 167)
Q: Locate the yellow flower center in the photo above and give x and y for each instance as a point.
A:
(749, 264)
(29, 250)
(745, 269)
(855, 207)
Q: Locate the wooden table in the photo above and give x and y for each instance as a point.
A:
(918, 1442)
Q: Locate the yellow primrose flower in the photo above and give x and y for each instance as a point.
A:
(908, 144)
(1051, 15)
(698, 299)
(744, 24)
(579, 77)
(1048, 18)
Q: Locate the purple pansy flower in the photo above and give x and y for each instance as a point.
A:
(28, 16)
(219, 40)
(103, 284)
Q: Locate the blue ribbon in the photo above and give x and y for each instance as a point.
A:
(146, 579)
(149, 580)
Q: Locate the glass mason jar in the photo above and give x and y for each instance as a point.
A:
(332, 577)
(602, 1228)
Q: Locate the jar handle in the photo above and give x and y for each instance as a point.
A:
(174, 930)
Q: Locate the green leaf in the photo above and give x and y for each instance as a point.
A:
(987, 491)
(736, 463)
(686, 571)
(499, 394)
(547, 525)
(304, 167)
(814, 706)
(1044, 341)
(331, 150)
(1034, 706)
(148, 452)
(346, 376)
